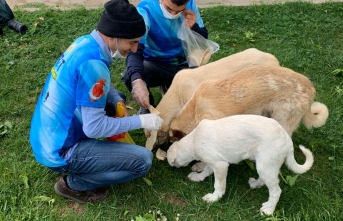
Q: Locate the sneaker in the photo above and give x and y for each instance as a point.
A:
(143, 111)
(89, 196)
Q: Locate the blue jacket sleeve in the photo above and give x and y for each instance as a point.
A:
(202, 31)
(134, 63)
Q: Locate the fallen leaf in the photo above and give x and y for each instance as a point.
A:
(291, 179)
(147, 181)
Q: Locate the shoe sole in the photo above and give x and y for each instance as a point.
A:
(67, 196)
(73, 198)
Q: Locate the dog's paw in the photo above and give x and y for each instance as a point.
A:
(196, 177)
(210, 197)
(198, 167)
(253, 183)
(267, 209)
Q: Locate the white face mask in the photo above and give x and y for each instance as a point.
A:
(116, 54)
(168, 15)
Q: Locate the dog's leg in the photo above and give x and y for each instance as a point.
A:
(274, 196)
(220, 172)
(197, 177)
(269, 175)
(253, 183)
(198, 167)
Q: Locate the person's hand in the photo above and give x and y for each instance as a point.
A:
(190, 17)
(150, 121)
(140, 93)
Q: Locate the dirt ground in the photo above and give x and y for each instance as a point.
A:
(67, 4)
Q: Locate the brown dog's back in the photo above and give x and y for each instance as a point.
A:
(186, 81)
(271, 91)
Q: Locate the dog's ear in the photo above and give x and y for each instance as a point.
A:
(175, 135)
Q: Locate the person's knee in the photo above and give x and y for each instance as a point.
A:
(122, 95)
(146, 158)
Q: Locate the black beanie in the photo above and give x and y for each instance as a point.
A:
(120, 19)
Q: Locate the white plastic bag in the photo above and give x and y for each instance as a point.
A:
(198, 50)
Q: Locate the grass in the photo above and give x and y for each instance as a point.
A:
(303, 36)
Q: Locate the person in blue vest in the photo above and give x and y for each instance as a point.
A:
(160, 54)
(73, 107)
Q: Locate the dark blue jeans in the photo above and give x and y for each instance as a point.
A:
(98, 163)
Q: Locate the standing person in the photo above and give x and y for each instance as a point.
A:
(71, 111)
(160, 54)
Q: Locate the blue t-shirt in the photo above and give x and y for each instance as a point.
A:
(80, 77)
(161, 41)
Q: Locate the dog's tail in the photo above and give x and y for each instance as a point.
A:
(316, 116)
(294, 166)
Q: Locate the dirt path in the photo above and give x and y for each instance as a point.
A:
(67, 4)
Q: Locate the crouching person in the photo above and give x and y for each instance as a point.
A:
(74, 106)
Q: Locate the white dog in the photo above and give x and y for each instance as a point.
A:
(229, 140)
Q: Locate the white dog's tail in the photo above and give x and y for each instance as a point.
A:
(294, 166)
(316, 116)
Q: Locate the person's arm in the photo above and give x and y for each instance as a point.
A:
(191, 18)
(202, 31)
(194, 19)
(97, 125)
(134, 63)
(135, 68)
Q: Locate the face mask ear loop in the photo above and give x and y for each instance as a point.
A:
(109, 45)
(117, 53)
(117, 44)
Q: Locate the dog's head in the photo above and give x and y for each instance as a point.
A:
(155, 140)
(162, 137)
(177, 157)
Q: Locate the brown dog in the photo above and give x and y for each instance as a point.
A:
(187, 80)
(275, 92)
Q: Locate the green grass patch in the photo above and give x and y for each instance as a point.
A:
(305, 37)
